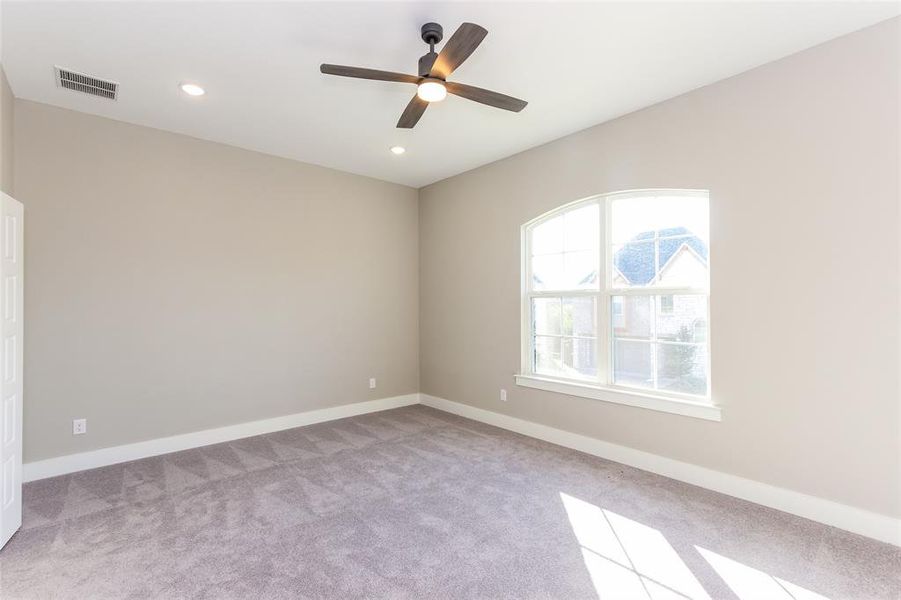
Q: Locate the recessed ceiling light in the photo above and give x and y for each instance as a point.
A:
(398, 150)
(192, 89)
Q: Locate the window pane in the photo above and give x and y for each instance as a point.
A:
(579, 317)
(548, 355)
(547, 238)
(581, 270)
(580, 358)
(632, 363)
(669, 214)
(682, 318)
(660, 241)
(546, 315)
(547, 272)
(566, 271)
(682, 368)
(581, 229)
(634, 318)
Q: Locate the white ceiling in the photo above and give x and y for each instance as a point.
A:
(578, 64)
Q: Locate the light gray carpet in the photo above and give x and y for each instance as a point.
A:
(415, 503)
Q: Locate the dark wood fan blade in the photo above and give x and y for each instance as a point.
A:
(412, 113)
(457, 49)
(360, 73)
(485, 96)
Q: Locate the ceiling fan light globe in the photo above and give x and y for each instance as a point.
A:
(431, 91)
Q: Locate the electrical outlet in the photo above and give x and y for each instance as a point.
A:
(503, 395)
(372, 383)
(79, 426)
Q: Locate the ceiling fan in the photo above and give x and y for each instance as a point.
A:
(432, 84)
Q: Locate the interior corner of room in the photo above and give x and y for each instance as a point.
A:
(690, 303)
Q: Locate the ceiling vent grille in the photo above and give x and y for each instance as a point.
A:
(79, 82)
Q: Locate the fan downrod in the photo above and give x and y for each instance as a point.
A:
(431, 35)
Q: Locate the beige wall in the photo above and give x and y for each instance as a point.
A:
(174, 284)
(802, 161)
(7, 107)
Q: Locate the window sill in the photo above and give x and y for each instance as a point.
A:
(651, 401)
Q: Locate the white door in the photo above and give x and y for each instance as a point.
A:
(11, 333)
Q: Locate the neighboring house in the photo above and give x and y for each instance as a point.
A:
(682, 257)
(681, 260)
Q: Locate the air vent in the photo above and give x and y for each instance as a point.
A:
(79, 82)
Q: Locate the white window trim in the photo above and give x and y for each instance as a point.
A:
(602, 389)
(620, 395)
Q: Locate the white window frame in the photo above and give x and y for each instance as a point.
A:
(602, 387)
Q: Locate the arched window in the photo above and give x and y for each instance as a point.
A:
(615, 299)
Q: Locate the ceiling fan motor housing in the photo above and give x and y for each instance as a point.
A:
(425, 63)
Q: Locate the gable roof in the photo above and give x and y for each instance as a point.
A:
(635, 260)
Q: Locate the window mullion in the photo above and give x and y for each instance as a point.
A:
(663, 291)
(603, 298)
(560, 328)
(557, 293)
(656, 278)
(653, 344)
(603, 336)
(527, 337)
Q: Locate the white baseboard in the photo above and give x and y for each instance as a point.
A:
(856, 520)
(118, 454)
